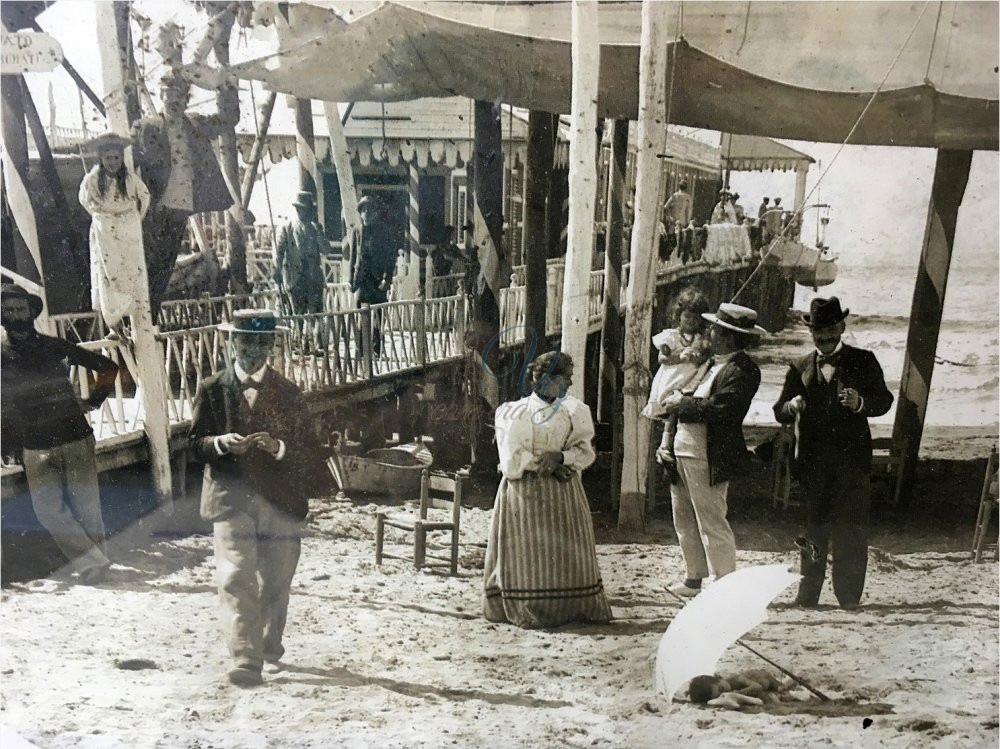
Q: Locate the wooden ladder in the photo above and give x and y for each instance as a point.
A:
(987, 501)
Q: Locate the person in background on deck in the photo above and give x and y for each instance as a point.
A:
(830, 393)
(249, 427)
(762, 210)
(298, 258)
(709, 446)
(374, 263)
(541, 560)
(677, 209)
(44, 421)
(116, 200)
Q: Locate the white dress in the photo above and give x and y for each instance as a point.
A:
(117, 260)
(674, 376)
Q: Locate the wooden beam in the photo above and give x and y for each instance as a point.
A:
(148, 353)
(951, 175)
(642, 277)
(540, 151)
(487, 175)
(305, 143)
(582, 188)
(257, 152)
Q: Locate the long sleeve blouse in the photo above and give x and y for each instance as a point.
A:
(531, 426)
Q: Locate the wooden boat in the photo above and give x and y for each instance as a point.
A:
(384, 471)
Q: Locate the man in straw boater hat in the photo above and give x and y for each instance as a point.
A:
(709, 446)
(43, 420)
(250, 428)
(830, 393)
(298, 264)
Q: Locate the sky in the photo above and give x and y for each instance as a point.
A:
(879, 195)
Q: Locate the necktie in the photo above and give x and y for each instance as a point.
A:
(249, 384)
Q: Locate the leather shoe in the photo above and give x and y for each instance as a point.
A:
(805, 603)
(273, 667)
(850, 606)
(684, 591)
(245, 676)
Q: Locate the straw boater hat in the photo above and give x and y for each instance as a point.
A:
(824, 312)
(107, 141)
(735, 317)
(253, 322)
(12, 290)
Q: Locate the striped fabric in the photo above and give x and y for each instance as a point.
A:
(541, 562)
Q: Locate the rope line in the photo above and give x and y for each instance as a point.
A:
(930, 57)
(854, 127)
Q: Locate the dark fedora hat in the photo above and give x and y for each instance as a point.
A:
(304, 199)
(824, 312)
(253, 321)
(12, 290)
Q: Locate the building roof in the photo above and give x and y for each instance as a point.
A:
(751, 153)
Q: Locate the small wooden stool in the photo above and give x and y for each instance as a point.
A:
(987, 501)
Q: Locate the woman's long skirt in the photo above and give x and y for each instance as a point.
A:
(541, 560)
(118, 265)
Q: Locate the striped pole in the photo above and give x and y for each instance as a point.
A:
(413, 230)
(305, 146)
(951, 174)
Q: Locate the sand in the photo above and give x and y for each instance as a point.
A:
(393, 657)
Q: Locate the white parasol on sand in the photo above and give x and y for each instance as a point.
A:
(713, 620)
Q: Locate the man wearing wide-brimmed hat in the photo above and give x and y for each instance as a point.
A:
(298, 258)
(709, 446)
(250, 428)
(830, 393)
(43, 420)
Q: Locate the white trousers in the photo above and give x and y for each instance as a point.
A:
(699, 510)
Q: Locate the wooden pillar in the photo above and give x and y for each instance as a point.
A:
(951, 174)
(582, 188)
(642, 279)
(417, 264)
(611, 383)
(800, 195)
(305, 145)
(128, 89)
(257, 152)
(148, 354)
(540, 151)
(488, 216)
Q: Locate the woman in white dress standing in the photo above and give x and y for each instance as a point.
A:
(116, 200)
(541, 559)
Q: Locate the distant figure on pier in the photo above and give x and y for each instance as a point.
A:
(772, 221)
(830, 394)
(677, 209)
(763, 209)
(375, 262)
(541, 562)
(298, 258)
(116, 200)
(250, 428)
(44, 422)
(738, 210)
(709, 447)
(723, 212)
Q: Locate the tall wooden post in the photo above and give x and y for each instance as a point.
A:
(257, 152)
(305, 143)
(642, 282)
(488, 216)
(413, 231)
(951, 174)
(148, 354)
(540, 150)
(341, 155)
(609, 399)
(582, 188)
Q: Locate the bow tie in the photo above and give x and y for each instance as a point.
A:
(830, 359)
(249, 384)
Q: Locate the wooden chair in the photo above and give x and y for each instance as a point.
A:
(888, 460)
(418, 524)
(987, 501)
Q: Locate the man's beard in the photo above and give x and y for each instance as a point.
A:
(17, 326)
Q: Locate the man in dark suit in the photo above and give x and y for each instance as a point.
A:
(830, 393)
(249, 428)
(373, 263)
(709, 446)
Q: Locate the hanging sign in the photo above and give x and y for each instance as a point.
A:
(28, 52)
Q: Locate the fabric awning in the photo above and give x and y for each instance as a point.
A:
(751, 153)
(795, 70)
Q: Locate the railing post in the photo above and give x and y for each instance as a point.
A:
(420, 324)
(366, 341)
(459, 325)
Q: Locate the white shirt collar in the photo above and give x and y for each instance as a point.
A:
(840, 345)
(257, 376)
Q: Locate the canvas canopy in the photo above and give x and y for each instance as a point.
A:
(751, 153)
(796, 70)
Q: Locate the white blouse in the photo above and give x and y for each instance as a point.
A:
(531, 426)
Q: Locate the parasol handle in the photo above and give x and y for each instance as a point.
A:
(785, 671)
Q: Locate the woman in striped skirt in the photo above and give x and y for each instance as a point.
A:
(541, 561)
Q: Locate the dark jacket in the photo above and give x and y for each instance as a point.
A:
(280, 410)
(40, 407)
(723, 411)
(376, 264)
(826, 428)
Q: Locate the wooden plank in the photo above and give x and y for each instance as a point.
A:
(611, 333)
(582, 188)
(951, 174)
(651, 141)
(540, 150)
(250, 176)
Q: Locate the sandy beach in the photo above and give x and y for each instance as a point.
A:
(393, 657)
